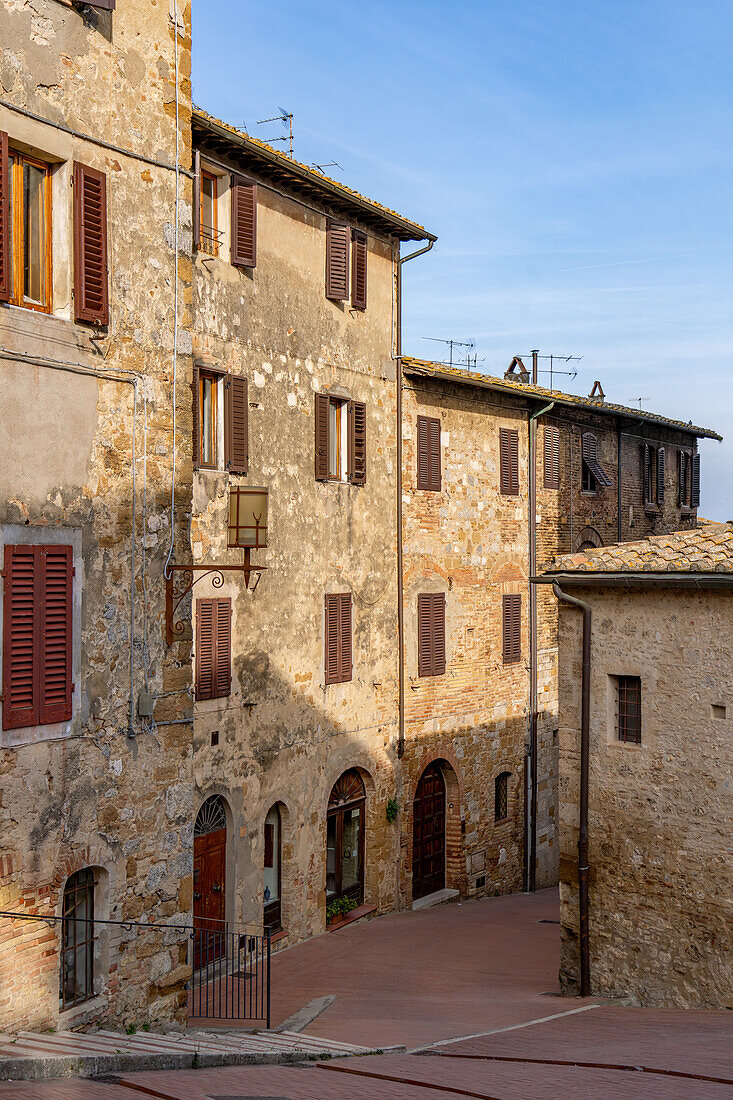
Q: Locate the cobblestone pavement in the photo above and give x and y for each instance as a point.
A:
(472, 991)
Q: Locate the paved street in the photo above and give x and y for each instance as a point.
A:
(435, 981)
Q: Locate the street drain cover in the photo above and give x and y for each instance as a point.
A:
(250, 1096)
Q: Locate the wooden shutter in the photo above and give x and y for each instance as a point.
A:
(660, 475)
(91, 293)
(509, 461)
(337, 261)
(345, 642)
(54, 633)
(552, 456)
(103, 5)
(358, 270)
(589, 446)
(428, 453)
(223, 658)
(338, 647)
(431, 634)
(236, 437)
(322, 403)
(213, 648)
(357, 442)
(244, 222)
(646, 469)
(195, 419)
(5, 215)
(695, 500)
(512, 628)
(196, 226)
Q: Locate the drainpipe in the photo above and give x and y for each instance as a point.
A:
(584, 761)
(400, 588)
(531, 863)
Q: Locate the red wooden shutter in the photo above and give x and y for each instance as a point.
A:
(428, 453)
(223, 651)
(660, 475)
(358, 270)
(332, 641)
(552, 456)
(337, 261)
(20, 650)
(322, 437)
(512, 628)
(91, 293)
(205, 649)
(509, 461)
(244, 222)
(236, 437)
(357, 442)
(345, 642)
(54, 633)
(5, 214)
(695, 501)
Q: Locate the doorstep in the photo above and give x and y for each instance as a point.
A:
(355, 914)
(439, 897)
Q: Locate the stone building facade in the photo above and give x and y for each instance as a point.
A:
(660, 760)
(96, 800)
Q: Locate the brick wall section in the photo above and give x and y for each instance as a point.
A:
(661, 878)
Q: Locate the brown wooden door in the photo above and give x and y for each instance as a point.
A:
(428, 833)
(209, 882)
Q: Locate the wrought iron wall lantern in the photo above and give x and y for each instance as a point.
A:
(246, 530)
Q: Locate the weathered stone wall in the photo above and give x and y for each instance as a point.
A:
(660, 820)
(86, 793)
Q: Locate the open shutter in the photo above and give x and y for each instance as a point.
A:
(205, 649)
(695, 501)
(345, 645)
(509, 461)
(590, 457)
(222, 618)
(20, 642)
(337, 261)
(236, 438)
(423, 452)
(5, 258)
(660, 476)
(552, 456)
(357, 442)
(91, 294)
(196, 200)
(54, 633)
(332, 641)
(358, 270)
(321, 437)
(244, 222)
(512, 628)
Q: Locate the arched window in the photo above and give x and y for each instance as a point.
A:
(209, 880)
(77, 951)
(345, 839)
(501, 797)
(211, 817)
(272, 873)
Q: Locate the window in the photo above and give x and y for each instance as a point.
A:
(37, 617)
(25, 236)
(208, 418)
(358, 270)
(552, 456)
(338, 660)
(653, 475)
(273, 845)
(628, 709)
(210, 431)
(340, 439)
(345, 839)
(77, 950)
(509, 461)
(593, 475)
(512, 628)
(501, 797)
(213, 648)
(337, 261)
(688, 474)
(208, 213)
(428, 453)
(431, 634)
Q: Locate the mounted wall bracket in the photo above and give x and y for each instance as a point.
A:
(177, 588)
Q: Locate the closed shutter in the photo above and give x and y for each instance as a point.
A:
(509, 461)
(54, 634)
(358, 270)
(695, 503)
(345, 643)
(236, 439)
(429, 474)
(196, 200)
(337, 261)
(321, 437)
(223, 637)
(213, 648)
(244, 222)
(91, 295)
(431, 634)
(552, 456)
(512, 628)
(5, 258)
(357, 442)
(338, 647)
(196, 419)
(646, 470)
(20, 666)
(660, 475)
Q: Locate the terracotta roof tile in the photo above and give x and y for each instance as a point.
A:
(707, 549)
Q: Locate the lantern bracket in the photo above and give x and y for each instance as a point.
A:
(177, 588)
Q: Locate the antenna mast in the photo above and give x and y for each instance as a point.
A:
(286, 117)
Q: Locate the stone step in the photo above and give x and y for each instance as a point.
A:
(439, 897)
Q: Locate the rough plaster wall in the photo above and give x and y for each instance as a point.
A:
(283, 735)
(660, 816)
(100, 798)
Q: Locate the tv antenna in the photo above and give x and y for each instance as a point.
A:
(468, 344)
(640, 399)
(328, 164)
(572, 373)
(286, 117)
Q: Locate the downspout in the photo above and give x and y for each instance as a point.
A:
(400, 587)
(584, 762)
(530, 875)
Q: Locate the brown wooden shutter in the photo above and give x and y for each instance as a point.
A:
(332, 640)
(438, 633)
(695, 501)
(337, 261)
(358, 270)
(552, 456)
(357, 442)
(5, 214)
(196, 223)
(236, 436)
(345, 641)
(21, 693)
(54, 633)
(244, 222)
(223, 654)
(435, 468)
(512, 628)
(431, 634)
(646, 464)
(660, 475)
(91, 292)
(322, 403)
(195, 419)
(213, 648)
(509, 461)
(103, 5)
(428, 453)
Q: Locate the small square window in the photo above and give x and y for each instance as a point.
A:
(718, 711)
(501, 797)
(628, 709)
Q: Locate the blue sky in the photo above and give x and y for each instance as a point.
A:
(574, 158)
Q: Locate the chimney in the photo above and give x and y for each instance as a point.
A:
(597, 394)
(517, 371)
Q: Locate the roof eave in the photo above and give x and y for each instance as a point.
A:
(636, 579)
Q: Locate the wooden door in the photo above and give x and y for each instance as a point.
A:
(209, 883)
(428, 833)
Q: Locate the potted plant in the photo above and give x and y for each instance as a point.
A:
(338, 910)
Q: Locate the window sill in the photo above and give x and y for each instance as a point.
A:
(354, 915)
(277, 937)
(652, 509)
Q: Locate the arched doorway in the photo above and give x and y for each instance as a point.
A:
(428, 833)
(272, 873)
(209, 880)
(345, 839)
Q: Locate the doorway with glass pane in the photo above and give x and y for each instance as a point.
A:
(272, 879)
(345, 839)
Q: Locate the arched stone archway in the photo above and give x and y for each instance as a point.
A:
(588, 539)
